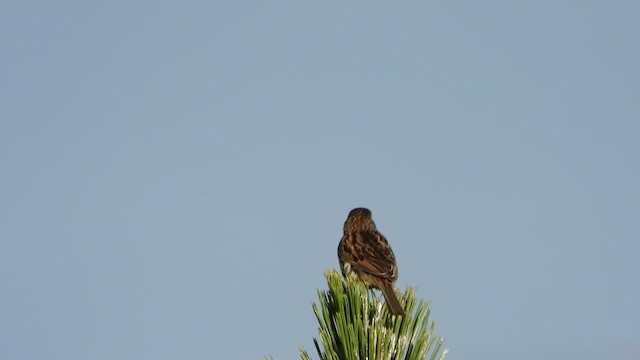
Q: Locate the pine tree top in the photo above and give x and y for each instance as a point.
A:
(355, 324)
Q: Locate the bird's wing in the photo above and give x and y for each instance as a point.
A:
(368, 251)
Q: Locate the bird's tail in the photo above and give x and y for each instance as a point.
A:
(393, 304)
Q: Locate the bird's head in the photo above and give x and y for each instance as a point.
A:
(359, 219)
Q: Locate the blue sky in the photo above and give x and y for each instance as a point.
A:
(175, 176)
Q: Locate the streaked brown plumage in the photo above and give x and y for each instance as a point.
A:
(365, 254)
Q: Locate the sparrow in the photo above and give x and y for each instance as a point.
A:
(365, 254)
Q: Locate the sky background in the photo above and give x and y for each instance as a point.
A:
(175, 175)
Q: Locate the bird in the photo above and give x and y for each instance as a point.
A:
(364, 254)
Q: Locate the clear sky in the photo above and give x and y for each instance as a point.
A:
(175, 175)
